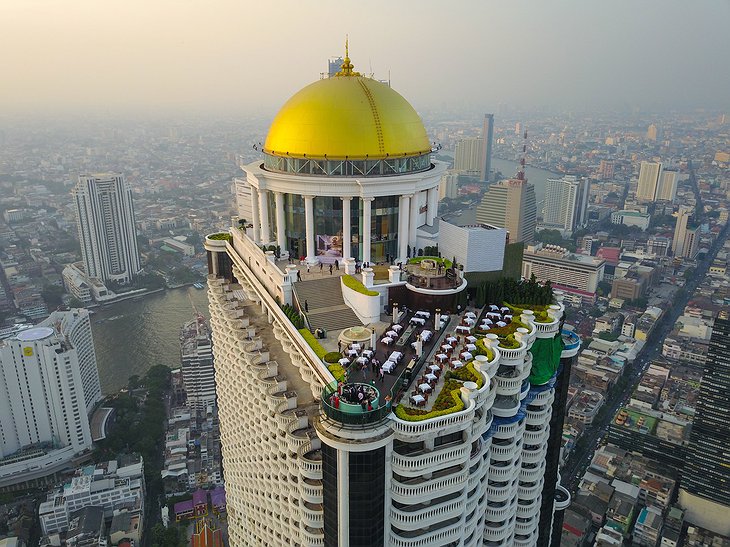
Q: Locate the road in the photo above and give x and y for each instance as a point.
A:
(578, 461)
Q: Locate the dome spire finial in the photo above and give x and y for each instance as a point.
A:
(347, 66)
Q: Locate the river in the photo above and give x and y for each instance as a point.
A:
(133, 335)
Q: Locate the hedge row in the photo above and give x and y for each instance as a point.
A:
(352, 283)
(294, 316)
(447, 402)
(312, 341)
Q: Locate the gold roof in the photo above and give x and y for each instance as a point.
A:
(347, 116)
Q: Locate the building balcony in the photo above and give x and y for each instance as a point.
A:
(438, 537)
(419, 489)
(416, 517)
(425, 461)
(509, 381)
(411, 431)
(504, 407)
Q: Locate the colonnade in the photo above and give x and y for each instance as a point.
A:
(408, 213)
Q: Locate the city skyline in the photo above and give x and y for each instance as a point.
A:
(153, 58)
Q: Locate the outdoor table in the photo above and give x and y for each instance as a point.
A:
(388, 366)
(451, 339)
(508, 316)
(432, 377)
(463, 329)
(469, 321)
(492, 307)
(466, 355)
(434, 368)
(351, 352)
(423, 314)
(426, 335)
(471, 347)
(442, 357)
(471, 339)
(470, 314)
(392, 333)
(501, 324)
(418, 320)
(344, 361)
(424, 388)
(367, 353)
(457, 364)
(418, 399)
(487, 321)
(355, 346)
(484, 326)
(387, 341)
(395, 356)
(397, 328)
(504, 309)
(362, 359)
(447, 347)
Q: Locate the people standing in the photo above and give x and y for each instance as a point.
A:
(306, 306)
(321, 265)
(299, 275)
(330, 269)
(337, 265)
(307, 267)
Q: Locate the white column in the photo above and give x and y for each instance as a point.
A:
(403, 214)
(264, 212)
(413, 224)
(255, 210)
(346, 228)
(280, 222)
(343, 498)
(367, 221)
(433, 204)
(309, 218)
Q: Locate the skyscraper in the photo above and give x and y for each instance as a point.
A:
(566, 203)
(667, 189)
(649, 175)
(685, 242)
(49, 383)
(106, 227)
(196, 358)
(488, 143)
(302, 464)
(468, 156)
(705, 487)
(510, 204)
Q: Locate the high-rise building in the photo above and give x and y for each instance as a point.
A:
(652, 132)
(650, 173)
(705, 487)
(606, 169)
(686, 237)
(510, 204)
(449, 186)
(468, 156)
(667, 189)
(49, 383)
(106, 226)
(566, 203)
(196, 357)
(304, 466)
(488, 144)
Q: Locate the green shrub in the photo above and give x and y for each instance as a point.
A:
(467, 374)
(294, 316)
(312, 341)
(447, 402)
(221, 236)
(352, 283)
(332, 357)
(509, 342)
(483, 349)
(338, 372)
(418, 259)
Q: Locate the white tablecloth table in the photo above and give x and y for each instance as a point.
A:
(392, 333)
(442, 357)
(470, 314)
(471, 339)
(447, 347)
(344, 361)
(362, 359)
(457, 364)
(463, 329)
(466, 355)
(471, 347)
(434, 367)
(387, 341)
(397, 328)
(367, 353)
(418, 320)
(388, 366)
(417, 399)
(395, 356)
(426, 335)
(423, 314)
(431, 377)
(424, 388)
(469, 321)
(355, 346)
(451, 339)
(351, 352)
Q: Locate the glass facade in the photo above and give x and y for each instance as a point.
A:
(329, 494)
(328, 227)
(348, 168)
(367, 498)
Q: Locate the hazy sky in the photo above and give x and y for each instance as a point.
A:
(250, 56)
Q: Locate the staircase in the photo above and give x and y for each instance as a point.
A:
(327, 309)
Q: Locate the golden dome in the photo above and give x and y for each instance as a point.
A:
(347, 116)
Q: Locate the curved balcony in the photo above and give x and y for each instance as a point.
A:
(528, 492)
(547, 330)
(497, 531)
(536, 437)
(412, 465)
(562, 498)
(310, 461)
(313, 537)
(410, 520)
(425, 488)
(504, 407)
(498, 514)
(503, 452)
(533, 456)
(435, 538)
(499, 494)
(520, 540)
(509, 382)
(442, 424)
(538, 417)
(501, 473)
(532, 475)
(513, 356)
(530, 510)
(312, 515)
(351, 414)
(525, 528)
